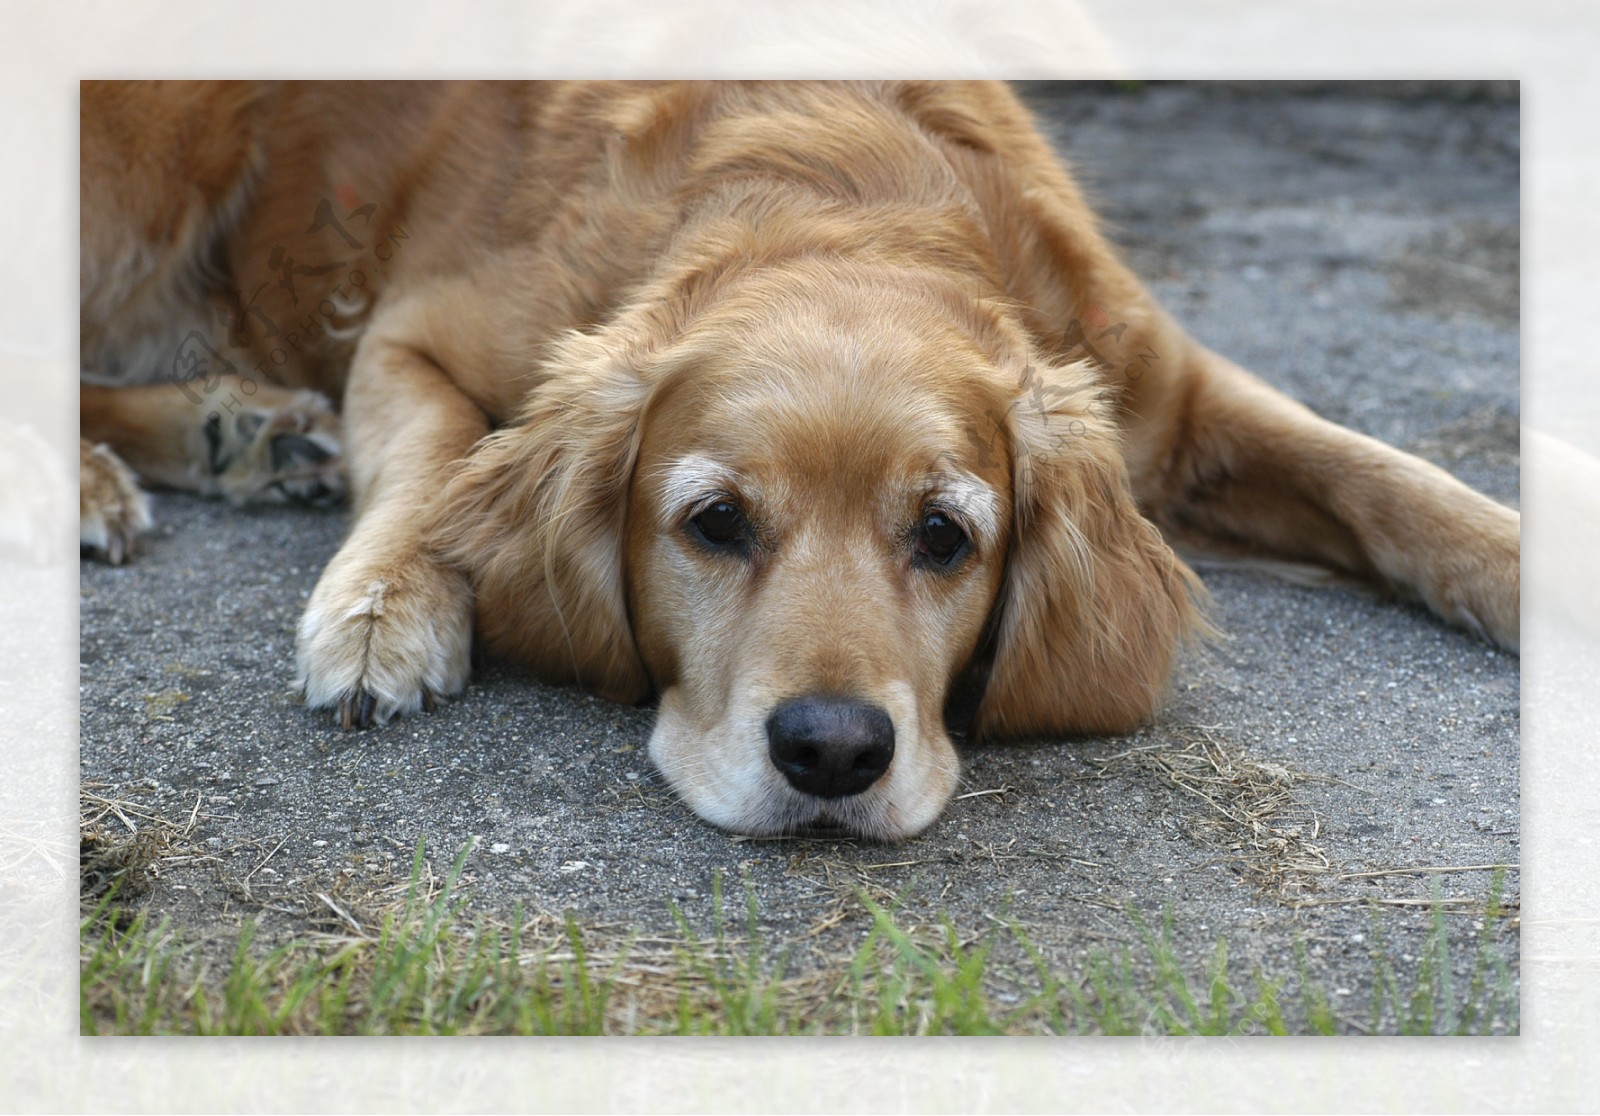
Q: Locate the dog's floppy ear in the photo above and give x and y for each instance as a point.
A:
(535, 517)
(1094, 604)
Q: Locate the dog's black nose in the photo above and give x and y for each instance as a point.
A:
(831, 747)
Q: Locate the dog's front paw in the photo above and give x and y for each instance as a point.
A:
(380, 639)
(280, 445)
(112, 511)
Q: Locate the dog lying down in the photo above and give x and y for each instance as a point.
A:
(822, 411)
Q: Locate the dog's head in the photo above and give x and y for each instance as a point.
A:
(804, 517)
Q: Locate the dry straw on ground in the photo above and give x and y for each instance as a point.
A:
(1248, 806)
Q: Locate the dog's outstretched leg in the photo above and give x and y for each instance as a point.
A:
(1255, 473)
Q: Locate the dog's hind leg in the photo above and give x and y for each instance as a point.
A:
(245, 440)
(1246, 470)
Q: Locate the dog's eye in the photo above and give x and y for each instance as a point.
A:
(722, 525)
(940, 539)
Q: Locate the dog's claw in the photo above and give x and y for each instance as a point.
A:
(359, 710)
(119, 546)
(356, 710)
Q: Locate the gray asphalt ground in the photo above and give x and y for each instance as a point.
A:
(1358, 251)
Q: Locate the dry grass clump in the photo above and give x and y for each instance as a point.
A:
(1248, 806)
(122, 842)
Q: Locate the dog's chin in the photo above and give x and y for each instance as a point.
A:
(821, 822)
(785, 813)
(764, 806)
(840, 819)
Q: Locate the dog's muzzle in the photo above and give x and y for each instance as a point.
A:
(830, 747)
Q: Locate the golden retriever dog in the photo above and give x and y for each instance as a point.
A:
(823, 412)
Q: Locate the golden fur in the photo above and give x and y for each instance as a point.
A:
(563, 321)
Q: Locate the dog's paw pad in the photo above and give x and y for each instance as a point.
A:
(112, 510)
(283, 449)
